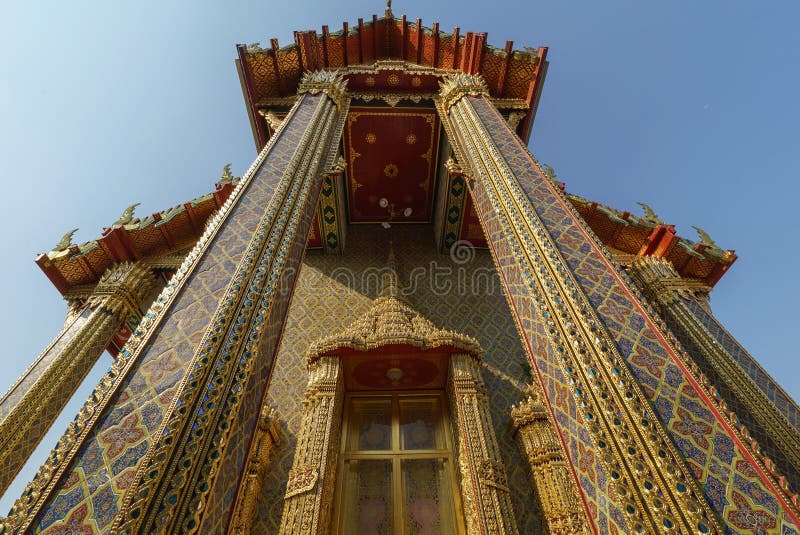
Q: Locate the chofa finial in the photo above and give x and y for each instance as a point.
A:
(65, 242)
(127, 216)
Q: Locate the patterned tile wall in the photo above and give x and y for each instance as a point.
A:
(332, 291)
(72, 356)
(720, 465)
(762, 379)
(743, 412)
(223, 495)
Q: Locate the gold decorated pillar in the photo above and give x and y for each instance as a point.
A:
(309, 490)
(484, 485)
(250, 488)
(195, 371)
(550, 266)
(563, 512)
(33, 403)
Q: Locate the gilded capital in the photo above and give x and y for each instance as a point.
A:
(661, 283)
(332, 83)
(123, 285)
(528, 411)
(456, 86)
(337, 168)
(557, 491)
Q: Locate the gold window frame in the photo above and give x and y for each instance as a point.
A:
(397, 454)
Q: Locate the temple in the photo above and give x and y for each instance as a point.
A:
(398, 321)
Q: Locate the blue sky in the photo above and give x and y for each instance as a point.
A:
(690, 107)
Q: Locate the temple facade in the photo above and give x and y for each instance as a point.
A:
(398, 321)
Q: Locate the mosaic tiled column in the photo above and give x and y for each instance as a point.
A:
(257, 462)
(484, 486)
(771, 416)
(33, 403)
(645, 439)
(161, 445)
(561, 504)
(309, 490)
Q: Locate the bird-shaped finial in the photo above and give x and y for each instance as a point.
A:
(705, 239)
(650, 215)
(65, 241)
(226, 176)
(127, 215)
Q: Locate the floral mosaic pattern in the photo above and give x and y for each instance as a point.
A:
(762, 379)
(744, 411)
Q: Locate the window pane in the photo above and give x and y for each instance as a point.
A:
(368, 506)
(419, 424)
(427, 505)
(370, 424)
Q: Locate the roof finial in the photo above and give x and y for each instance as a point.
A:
(388, 13)
(127, 216)
(65, 242)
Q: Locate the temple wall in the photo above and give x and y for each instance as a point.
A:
(332, 291)
(762, 379)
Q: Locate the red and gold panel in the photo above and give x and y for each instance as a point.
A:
(471, 229)
(391, 154)
(394, 367)
(393, 81)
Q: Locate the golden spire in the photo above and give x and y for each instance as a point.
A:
(389, 279)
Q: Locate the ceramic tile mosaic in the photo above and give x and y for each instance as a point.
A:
(761, 378)
(14, 394)
(73, 361)
(589, 473)
(744, 412)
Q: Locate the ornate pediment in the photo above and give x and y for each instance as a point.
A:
(391, 322)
